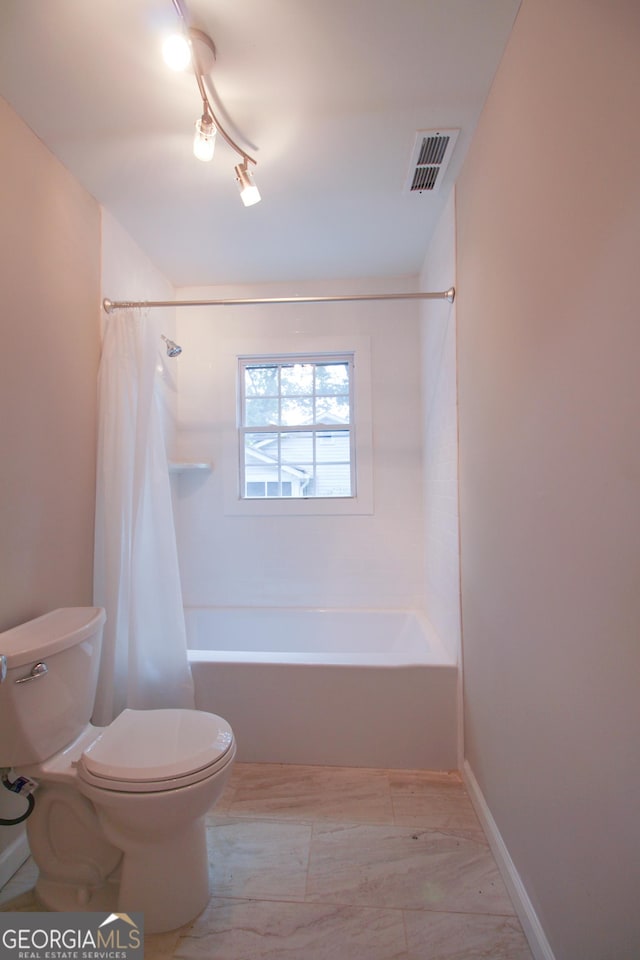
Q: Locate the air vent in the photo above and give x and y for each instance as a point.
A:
(430, 158)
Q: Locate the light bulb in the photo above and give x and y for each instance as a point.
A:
(176, 51)
(204, 141)
(249, 193)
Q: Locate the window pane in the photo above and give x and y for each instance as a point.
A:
(333, 447)
(332, 378)
(296, 379)
(261, 412)
(261, 381)
(332, 410)
(255, 488)
(333, 480)
(297, 448)
(296, 411)
(260, 448)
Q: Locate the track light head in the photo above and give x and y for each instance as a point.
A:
(204, 141)
(176, 51)
(249, 193)
(190, 48)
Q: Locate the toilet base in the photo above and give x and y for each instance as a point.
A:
(168, 881)
(164, 871)
(69, 897)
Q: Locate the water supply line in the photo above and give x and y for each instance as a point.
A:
(19, 785)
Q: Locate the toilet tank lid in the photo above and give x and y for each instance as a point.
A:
(49, 634)
(156, 745)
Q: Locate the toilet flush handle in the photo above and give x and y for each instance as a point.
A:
(37, 670)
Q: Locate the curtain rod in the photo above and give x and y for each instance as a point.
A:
(110, 305)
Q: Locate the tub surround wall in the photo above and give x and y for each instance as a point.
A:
(127, 272)
(370, 560)
(49, 289)
(549, 403)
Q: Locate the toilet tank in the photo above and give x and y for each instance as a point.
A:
(42, 714)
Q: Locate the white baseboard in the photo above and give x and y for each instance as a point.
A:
(12, 857)
(532, 927)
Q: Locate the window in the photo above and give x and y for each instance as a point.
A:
(275, 355)
(296, 430)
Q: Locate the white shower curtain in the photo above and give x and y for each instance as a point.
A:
(136, 577)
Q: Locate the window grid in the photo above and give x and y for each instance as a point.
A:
(282, 430)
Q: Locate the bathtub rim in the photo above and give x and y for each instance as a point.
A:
(438, 654)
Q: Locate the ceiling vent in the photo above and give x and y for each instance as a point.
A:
(429, 160)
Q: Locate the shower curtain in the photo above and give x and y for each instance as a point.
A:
(136, 577)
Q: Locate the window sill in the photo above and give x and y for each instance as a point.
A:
(188, 466)
(300, 506)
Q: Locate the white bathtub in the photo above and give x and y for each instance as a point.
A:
(368, 688)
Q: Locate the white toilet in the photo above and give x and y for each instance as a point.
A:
(119, 817)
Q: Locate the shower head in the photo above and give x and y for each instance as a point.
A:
(173, 350)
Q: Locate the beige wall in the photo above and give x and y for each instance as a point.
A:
(49, 289)
(49, 309)
(440, 436)
(548, 212)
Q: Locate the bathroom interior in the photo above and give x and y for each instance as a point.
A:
(498, 479)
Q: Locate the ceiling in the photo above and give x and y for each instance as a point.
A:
(327, 95)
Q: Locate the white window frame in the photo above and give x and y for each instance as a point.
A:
(315, 428)
(295, 347)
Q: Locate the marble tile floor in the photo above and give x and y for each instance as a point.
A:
(336, 863)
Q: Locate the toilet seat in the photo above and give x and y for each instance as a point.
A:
(145, 751)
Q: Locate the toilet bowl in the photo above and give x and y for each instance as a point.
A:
(119, 818)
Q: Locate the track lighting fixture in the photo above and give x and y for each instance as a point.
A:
(196, 48)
